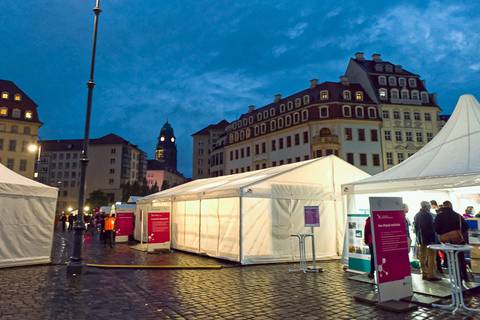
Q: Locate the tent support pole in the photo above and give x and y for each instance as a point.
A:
(240, 228)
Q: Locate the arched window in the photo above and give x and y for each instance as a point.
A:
(247, 133)
(230, 138)
(259, 116)
(323, 112)
(242, 134)
(250, 120)
(256, 130)
(16, 113)
(296, 118)
(5, 95)
(282, 108)
(412, 82)
(305, 115)
(265, 114)
(394, 93)
(288, 120)
(382, 80)
(347, 95)
(379, 67)
(298, 103)
(359, 96)
(383, 94)
(17, 97)
(425, 97)
(392, 81)
(234, 125)
(289, 105)
(402, 82)
(239, 124)
(245, 122)
(415, 95)
(306, 99)
(280, 123)
(404, 94)
(359, 112)
(273, 125)
(236, 136)
(272, 112)
(372, 112)
(263, 128)
(324, 95)
(347, 111)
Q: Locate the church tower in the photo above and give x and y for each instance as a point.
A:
(166, 151)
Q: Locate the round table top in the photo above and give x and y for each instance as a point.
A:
(450, 247)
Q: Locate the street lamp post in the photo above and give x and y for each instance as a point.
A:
(75, 265)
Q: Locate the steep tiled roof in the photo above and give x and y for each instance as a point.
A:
(24, 105)
(205, 131)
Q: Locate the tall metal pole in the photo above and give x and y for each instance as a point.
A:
(75, 266)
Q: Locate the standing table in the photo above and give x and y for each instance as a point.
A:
(452, 251)
(303, 257)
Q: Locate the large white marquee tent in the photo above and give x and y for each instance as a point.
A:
(447, 168)
(27, 213)
(250, 217)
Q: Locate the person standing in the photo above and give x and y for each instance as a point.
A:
(70, 221)
(425, 232)
(448, 220)
(63, 220)
(367, 238)
(407, 225)
(109, 229)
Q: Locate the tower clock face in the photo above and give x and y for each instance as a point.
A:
(162, 138)
(172, 139)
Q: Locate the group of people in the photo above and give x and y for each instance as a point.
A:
(429, 229)
(102, 223)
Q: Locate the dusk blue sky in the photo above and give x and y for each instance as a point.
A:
(197, 62)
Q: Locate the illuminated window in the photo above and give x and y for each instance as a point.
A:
(324, 95)
(359, 96)
(17, 97)
(4, 111)
(4, 95)
(383, 94)
(28, 115)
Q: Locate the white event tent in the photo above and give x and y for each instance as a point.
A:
(250, 217)
(447, 168)
(27, 214)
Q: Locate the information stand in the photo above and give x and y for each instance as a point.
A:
(124, 226)
(158, 230)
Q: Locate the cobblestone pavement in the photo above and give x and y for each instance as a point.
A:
(253, 292)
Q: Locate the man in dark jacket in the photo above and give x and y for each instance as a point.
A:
(448, 220)
(425, 231)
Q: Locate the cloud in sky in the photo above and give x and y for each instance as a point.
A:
(195, 63)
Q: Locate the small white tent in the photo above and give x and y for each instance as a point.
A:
(27, 214)
(250, 217)
(450, 160)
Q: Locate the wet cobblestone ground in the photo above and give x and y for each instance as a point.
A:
(254, 292)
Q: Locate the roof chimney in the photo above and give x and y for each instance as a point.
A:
(359, 56)
(278, 96)
(313, 83)
(344, 80)
(376, 57)
(251, 108)
(434, 98)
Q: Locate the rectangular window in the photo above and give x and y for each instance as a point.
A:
(318, 153)
(112, 161)
(400, 157)
(376, 159)
(236, 154)
(242, 153)
(305, 137)
(10, 164)
(281, 162)
(428, 117)
(306, 157)
(289, 160)
(361, 134)
(398, 135)
(297, 159)
(23, 165)
(385, 114)
(12, 145)
(274, 145)
(248, 151)
(257, 149)
(419, 137)
(429, 136)
(280, 143)
(350, 158)
(264, 147)
(363, 159)
(416, 115)
(374, 135)
(274, 163)
(1, 144)
(408, 136)
(406, 115)
(396, 115)
(297, 139)
(348, 134)
(389, 158)
(257, 166)
(289, 141)
(231, 155)
(388, 135)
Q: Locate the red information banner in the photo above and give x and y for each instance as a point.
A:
(158, 227)
(391, 245)
(124, 223)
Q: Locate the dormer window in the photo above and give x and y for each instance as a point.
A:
(304, 114)
(324, 95)
(298, 103)
(425, 98)
(288, 120)
(347, 111)
(404, 94)
(382, 80)
(359, 96)
(245, 122)
(250, 120)
(296, 118)
(323, 111)
(394, 93)
(280, 123)
(392, 81)
(306, 99)
(259, 117)
(289, 105)
(5, 95)
(383, 94)
(3, 111)
(347, 95)
(17, 97)
(242, 135)
(282, 108)
(415, 95)
(272, 112)
(273, 125)
(372, 112)
(402, 82)
(265, 115)
(359, 112)
(379, 67)
(16, 113)
(388, 68)
(412, 82)
(28, 115)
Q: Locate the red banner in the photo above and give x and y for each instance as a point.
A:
(158, 227)
(391, 245)
(124, 223)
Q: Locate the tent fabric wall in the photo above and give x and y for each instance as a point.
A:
(27, 214)
(249, 217)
